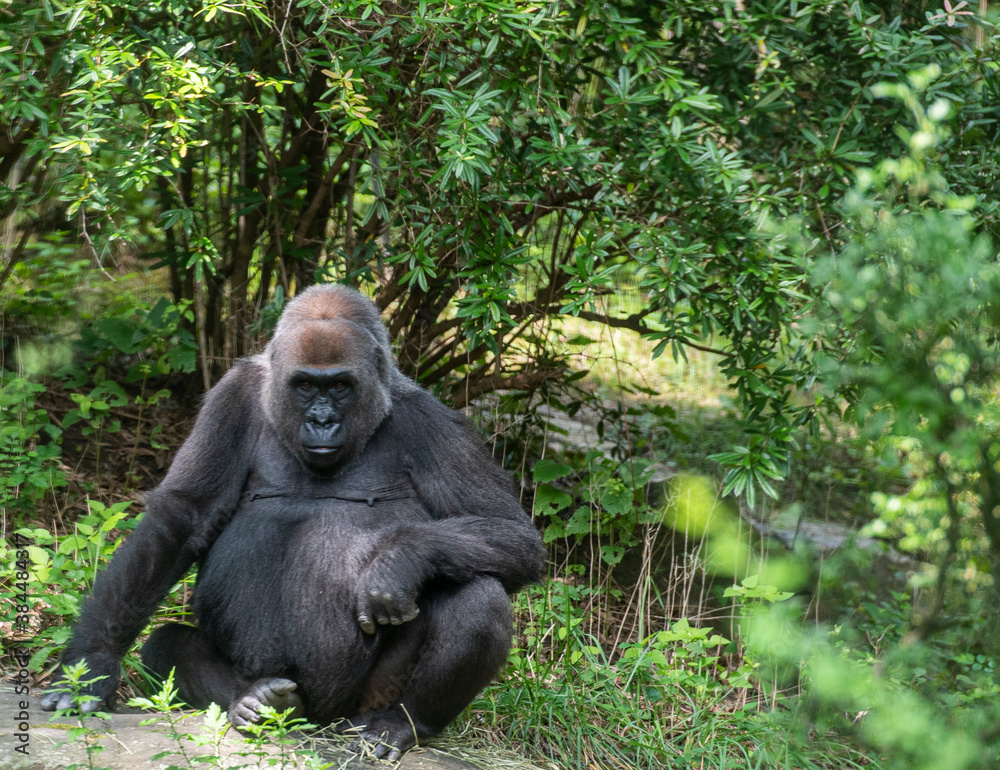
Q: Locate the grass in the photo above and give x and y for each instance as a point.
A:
(596, 722)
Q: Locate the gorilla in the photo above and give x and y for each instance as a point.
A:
(355, 542)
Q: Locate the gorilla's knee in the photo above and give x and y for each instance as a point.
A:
(478, 618)
(164, 648)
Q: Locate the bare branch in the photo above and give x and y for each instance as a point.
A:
(466, 392)
(635, 323)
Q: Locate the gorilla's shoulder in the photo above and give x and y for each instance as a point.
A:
(447, 458)
(245, 376)
(237, 397)
(417, 405)
(421, 421)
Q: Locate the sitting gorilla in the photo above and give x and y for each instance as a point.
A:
(356, 543)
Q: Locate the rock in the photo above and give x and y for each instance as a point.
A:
(128, 744)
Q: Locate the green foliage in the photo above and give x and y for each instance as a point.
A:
(29, 446)
(905, 334)
(751, 590)
(668, 701)
(165, 701)
(903, 701)
(611, 502)
(63, 568)
(85, 733)
(204, 748)
(156, 333)
(482, 168)
(911, 303)
(681, 656)
(51, 285)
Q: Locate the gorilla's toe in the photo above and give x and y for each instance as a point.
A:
(385, 736)
(276, 692)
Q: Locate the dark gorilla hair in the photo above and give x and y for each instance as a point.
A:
(356, 544)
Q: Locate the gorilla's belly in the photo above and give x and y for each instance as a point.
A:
(278, 585)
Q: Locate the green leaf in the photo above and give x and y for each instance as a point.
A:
(38, 555)
(549, 470)
(549, 500)
(120, 332)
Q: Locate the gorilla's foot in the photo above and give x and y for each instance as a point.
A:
(386, 735)
(53, 700)
(275, 692)
(352, 726)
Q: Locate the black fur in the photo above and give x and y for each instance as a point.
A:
(378, 586)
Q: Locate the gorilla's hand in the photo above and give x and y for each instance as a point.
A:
(387, 594)
(102, 692)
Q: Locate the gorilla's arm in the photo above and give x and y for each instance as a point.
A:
(183, 516)
(479, 528)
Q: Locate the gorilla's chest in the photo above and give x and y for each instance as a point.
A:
(296, 517)
(292, 525)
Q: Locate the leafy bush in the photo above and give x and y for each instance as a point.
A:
(63, 568)
(906, 334)
(29, 446)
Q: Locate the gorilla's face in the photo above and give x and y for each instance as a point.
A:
(324, 398)
(326, 389)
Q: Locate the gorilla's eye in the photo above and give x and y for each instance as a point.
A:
(340, 387)
(306, 387)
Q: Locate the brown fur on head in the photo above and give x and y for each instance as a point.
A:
(328, 302)
(330, 327)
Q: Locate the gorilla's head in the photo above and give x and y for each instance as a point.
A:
(329, 374)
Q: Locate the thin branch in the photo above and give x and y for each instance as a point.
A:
(552, 201)
(465, 392)
(634, 323)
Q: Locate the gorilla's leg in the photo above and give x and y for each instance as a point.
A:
(202, 675)
(440, 663)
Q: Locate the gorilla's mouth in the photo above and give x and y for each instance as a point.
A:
(322, 443)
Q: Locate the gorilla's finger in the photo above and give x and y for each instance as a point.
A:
(414, 611)
(65, 701)
(261, 691)
(378, 748)
(59, 701)
(241, 714)
(239, 721)
(50, 700)
(89, 706)
(382, 620)
(366, 624)
(395, 620)
(259, 694)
